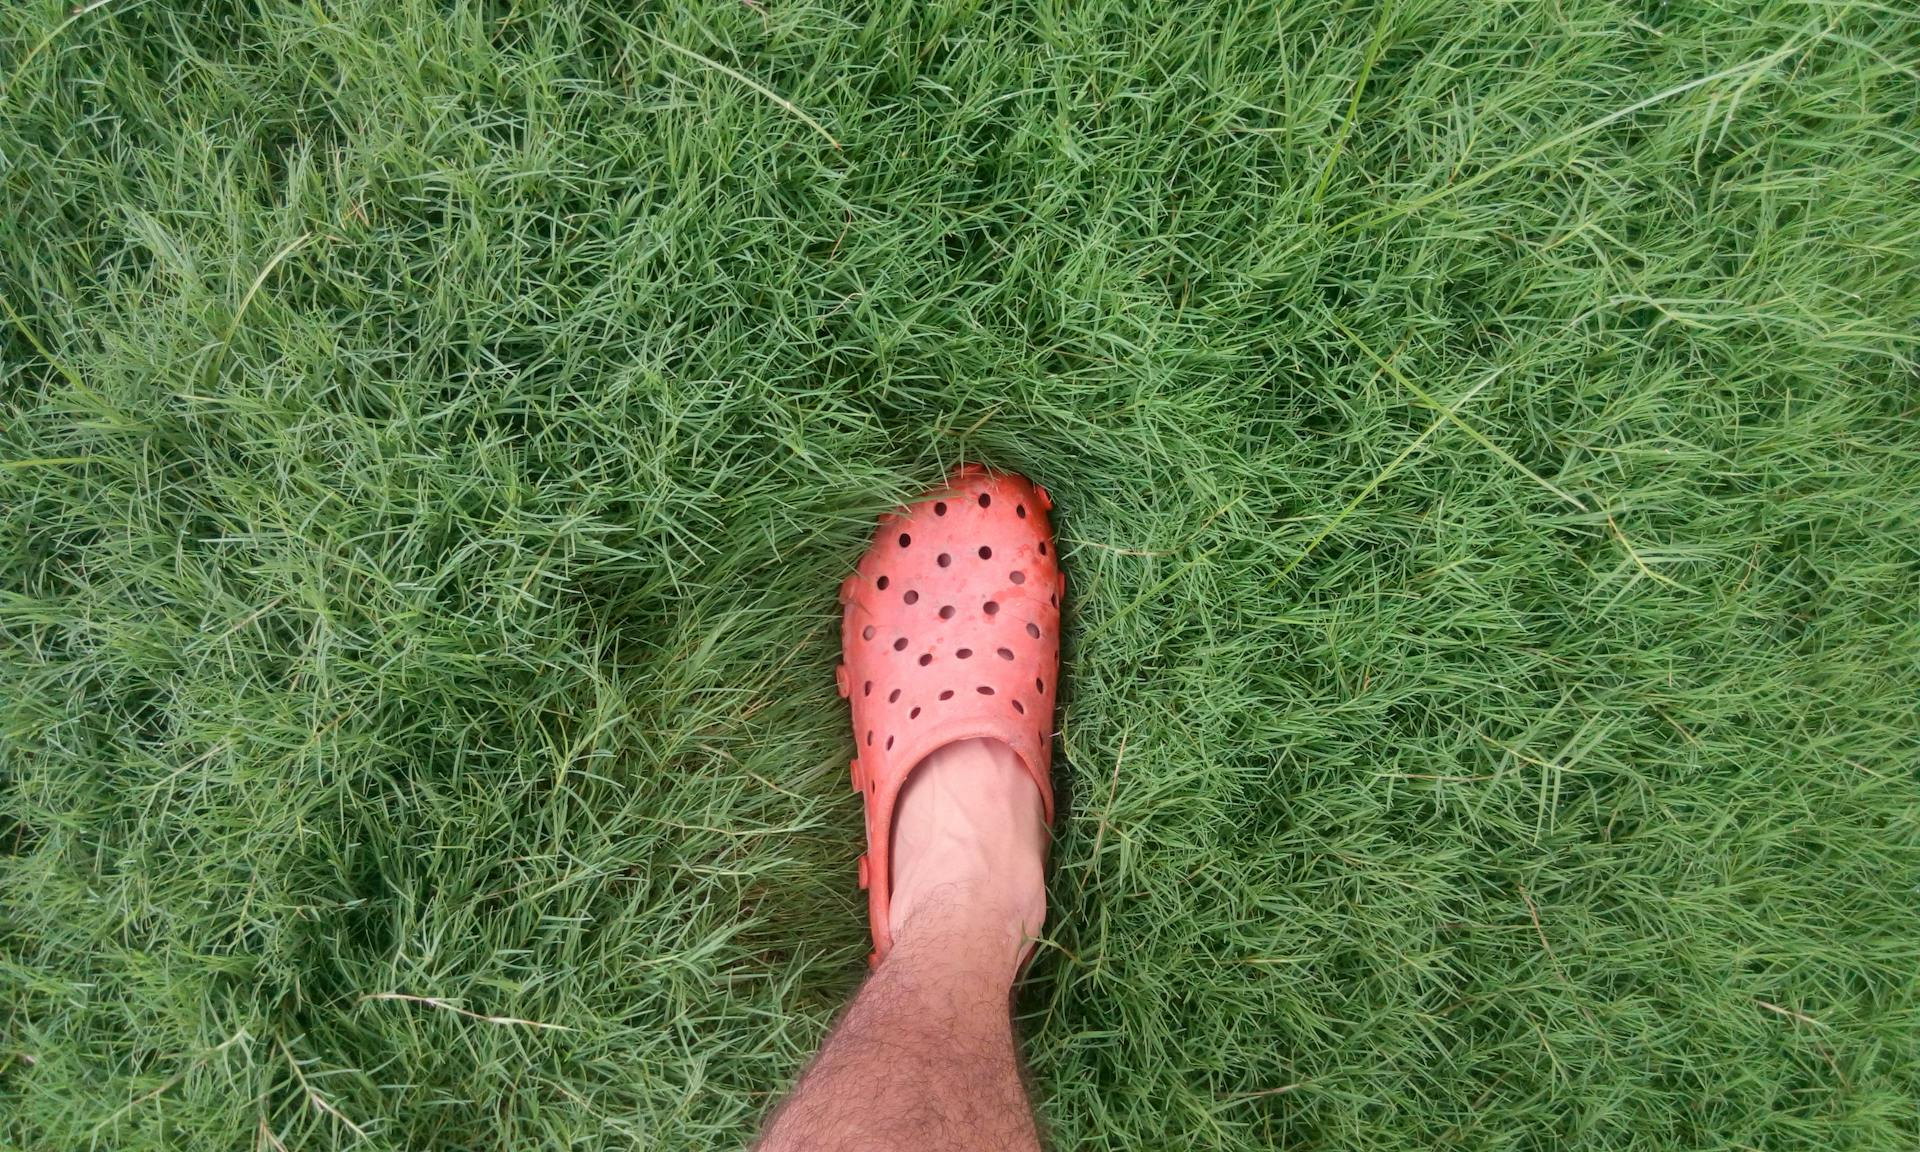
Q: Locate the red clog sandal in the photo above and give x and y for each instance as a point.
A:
(951, 632)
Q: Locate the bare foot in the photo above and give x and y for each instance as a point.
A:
(969, 845)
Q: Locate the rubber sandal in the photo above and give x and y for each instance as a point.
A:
(951, 631)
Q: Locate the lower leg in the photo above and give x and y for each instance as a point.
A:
(924, 1058)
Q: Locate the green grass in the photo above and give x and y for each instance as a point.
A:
(1485, 439)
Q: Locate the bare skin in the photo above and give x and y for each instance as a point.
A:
(924, 1058)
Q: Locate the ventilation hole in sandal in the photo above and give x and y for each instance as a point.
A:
(882, 583)
(943, 560)
(985, 499)
(946, 612)
(1043, 547)
(869, 737)
(889, 743)
(1019, 707)
(984, 690)
(1033, 630)
(867, 688)
(1004, 653)
(914, 715)
(962, 653)
(905, 540)
(1016, 576)
(900, 645)
(986, 553)
(947, 695)
(926, 658)
(911, 597)
(940, 508)
(990, 607)
(1053, 598)
(1040, 685)
(893, 697)
(867, 632)
(1020, 510)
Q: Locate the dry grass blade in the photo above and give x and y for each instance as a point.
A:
(448, 1006)
(797, 112)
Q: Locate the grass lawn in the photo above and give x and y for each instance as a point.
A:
(1486, 439)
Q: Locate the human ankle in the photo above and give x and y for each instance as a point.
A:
(969, 850)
